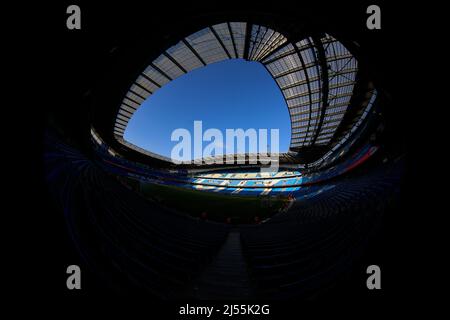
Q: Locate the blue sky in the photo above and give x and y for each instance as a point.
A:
(229, 94)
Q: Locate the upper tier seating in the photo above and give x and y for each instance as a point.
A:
(296, 252)
(131, 239)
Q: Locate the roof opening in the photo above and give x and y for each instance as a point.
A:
(230, 94)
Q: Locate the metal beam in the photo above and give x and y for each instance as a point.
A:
(302, 105)
(299, 83)
(281, 56)
(311, 64)
(122, 121)
(119, 121)
(256, 57)
(122, 117)
(122, 111)
(220, 41)
(135, 93)
(290, 116)
(288, 53)
(308, 83)
(303, 125)
(151, 80)
(120, 126)
(269, 46)
(325, 84)
(232, 40)
(294, 141)
(187, 44)
(328, 114)
(129, 106)
(339, 85)
(132, 100)
(278, 49)
(300, 127)
(248, 35)
(257, 42)
(332, 97)
(161, 71)
(175, 62)
(146, 90)
(127, 109)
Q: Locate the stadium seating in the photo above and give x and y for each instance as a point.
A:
(139, 246)
(295, 252)
(161, 250)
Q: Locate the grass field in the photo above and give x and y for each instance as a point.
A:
(241, 209)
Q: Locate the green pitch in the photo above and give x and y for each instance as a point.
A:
(218, 207)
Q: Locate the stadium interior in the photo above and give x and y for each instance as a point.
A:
(212, 231)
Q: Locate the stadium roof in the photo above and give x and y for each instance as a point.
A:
(316, 75)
